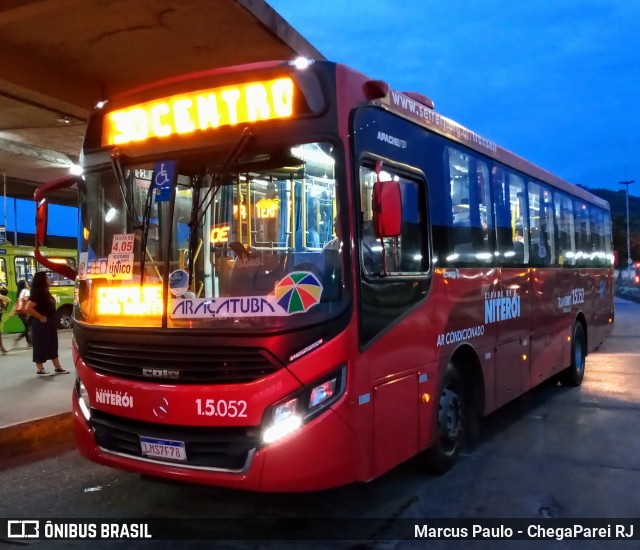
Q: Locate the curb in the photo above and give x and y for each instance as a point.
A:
(626, 293)
(35, 436)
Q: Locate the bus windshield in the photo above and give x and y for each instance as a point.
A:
(199, 241)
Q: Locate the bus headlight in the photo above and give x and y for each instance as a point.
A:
(285, 420)
(288, 415)
(83, 400)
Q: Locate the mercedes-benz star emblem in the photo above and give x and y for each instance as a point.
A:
(161, 407)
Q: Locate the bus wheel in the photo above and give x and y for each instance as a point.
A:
(574, 374)
(63, 316)
(451, 420)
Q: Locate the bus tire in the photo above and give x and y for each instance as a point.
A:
(63, 317)
(574, 374)
(451, 419)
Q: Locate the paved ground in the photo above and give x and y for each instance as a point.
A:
(35, 411)
(24, 396)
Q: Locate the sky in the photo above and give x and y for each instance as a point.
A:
(554, 81)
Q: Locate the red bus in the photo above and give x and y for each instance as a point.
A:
(293, 277)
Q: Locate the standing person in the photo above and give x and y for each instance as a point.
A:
(4, 302)
(42, 308)
(23, 296)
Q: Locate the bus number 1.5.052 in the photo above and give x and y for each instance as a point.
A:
(221, 407)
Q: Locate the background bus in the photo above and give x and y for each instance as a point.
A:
(226, 333)
(18, 262)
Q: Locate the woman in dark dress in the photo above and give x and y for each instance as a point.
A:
(42, 309)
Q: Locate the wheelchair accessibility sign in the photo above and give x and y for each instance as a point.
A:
(162, 177)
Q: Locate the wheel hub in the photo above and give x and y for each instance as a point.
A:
(450, 415)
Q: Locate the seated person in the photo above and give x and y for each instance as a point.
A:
(336, 242)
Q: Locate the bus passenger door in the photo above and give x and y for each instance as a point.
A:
(546, 344)
(511, 310)
(394, 280)
(393, 269)
(567, 277)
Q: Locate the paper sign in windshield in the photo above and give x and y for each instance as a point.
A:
(115, 267)
(122, 243)
(178, 282)
(296, 293)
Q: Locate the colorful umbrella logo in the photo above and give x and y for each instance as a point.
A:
(298, 292)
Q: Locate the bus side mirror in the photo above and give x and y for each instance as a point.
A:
(387, 208)
(42, 219)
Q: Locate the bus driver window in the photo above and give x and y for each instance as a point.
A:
(403, 254)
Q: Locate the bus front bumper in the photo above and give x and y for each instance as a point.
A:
(319, 455)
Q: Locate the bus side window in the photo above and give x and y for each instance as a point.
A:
(581, 213)
(512, 225)
(406, 253)
(598, 243)
(608, 238)
(541, 226)
(566, 239)
(470, 220)
(385, 295)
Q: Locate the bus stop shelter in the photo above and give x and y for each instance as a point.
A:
(58, 58)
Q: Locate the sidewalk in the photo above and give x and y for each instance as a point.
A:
(35, 411)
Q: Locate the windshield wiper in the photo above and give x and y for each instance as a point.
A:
(146, 219)
(217, 181)
(198, 211)
(116, 163)
(193, 234)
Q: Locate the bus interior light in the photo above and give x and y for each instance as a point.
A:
(75, 169)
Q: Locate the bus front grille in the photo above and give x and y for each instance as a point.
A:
(218, 448)
(196, 365)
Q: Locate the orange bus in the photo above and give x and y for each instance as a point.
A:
(292, 277)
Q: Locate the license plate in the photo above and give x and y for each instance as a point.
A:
(165, 449)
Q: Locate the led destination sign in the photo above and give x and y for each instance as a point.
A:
(200, 110)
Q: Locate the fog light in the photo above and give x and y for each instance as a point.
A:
(83, 400)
